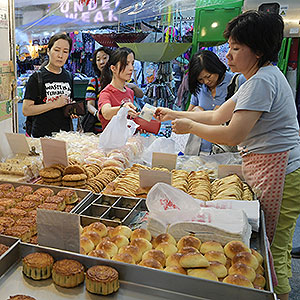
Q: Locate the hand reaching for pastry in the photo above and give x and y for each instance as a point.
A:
(182, 126)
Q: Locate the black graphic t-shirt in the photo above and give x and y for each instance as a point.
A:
(54, 85)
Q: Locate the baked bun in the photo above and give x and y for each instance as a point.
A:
(124, 257)
(24, 189)
(203, 273)
(93, 236)
(193, 260)
(86, 244)
(247, 259)
(69, 195)
(167, 248)
(141, 233)
(162, 238)
(242, 269)
(134, 251)
(99, 253)
(176, 269)
(228, 263)
(234, 247)
(216, 256)
(259, 281)
(151, 263)
(120, 240)
(258, 256)
(21, 297)
(155, 254)
(260, 270)
(238, 280)
(142, 244)
(189, 241)
(99, 227)
(218, 268)
(211, 246)
(185, 250)
(173, 260)
(121, 230)
(110, 248)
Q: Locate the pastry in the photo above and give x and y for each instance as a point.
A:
(44, 192)
(176, 269)
(185, 250)
(164, 237)
(193, 260)
(93, 236)
(51, 206)
(189, 241)
(21, 297)
(167, 248)
(2, 210)
(259, 281)
(67, 273)
(143, 244)
(246, 258)
(16, 196)
(124, 257)
(141, 233)
(121, 230)
(110, 248)
(38, 265)
(155, 254)
(69, 208)
(15, 213)
(6, 188)
(29, 222)
(151, 263)
(7, 222)
(203, 273)
(211, 246)
(257, 255)
(173, 260)
(3, 249)
(24, 189)
(26, 205)
(50, 173)
(86, 244)
(7, 203)
(242, 269)
(99, 227)
(2, 229)
(36, 198)
(70, 196)
(216, 256)
(60, 201)
(234, 247)
(134, 251)
(120, 240)
(218, 268)
(260, 270)
(238, 280)
(99, 253)
(21, 232)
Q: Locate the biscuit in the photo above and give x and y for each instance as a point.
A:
(51, 180)
(59, 167)
(74, 177)
(74, 169)
(50, 173)
(75, 184)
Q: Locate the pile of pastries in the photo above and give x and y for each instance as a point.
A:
(3, 249)
(234, 263)
(68, 273)
(18, 208)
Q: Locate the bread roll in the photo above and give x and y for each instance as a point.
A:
(185, 250)
(155, 254)
(260, 270)
(141, 233)
(163, 238)
(99, 227)
(151, 263)
(86, 244)
(99, 253)
(259, 281)
(203, 273)
(242, 269)
(218, 268)
(211, 246)
(173, 260)
(193, 260)
(120, 240)
(234, 247)
(238, 280)
(228, 263)
(216, 256)
(121, 230)
(143, 244)
(93, 236)
(189, 241)
(167, 248)
(247, 259)
(110, 248)
(176, 269)
(134, 251)
(124, 257)
(257, 255)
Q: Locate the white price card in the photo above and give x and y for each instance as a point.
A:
(148, 178)
(226, 170)
(164, 160)
(18, 143)
(54, 152)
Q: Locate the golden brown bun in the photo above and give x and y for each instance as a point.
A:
(211, 246)
(155, 254)
(234, 247)
(216, 256)
(124, 257)
(242, 269)
(99, 253)
(151, 263)
(110, 231)
(86, 244)
(21, 297)
(218, 268)
(143, 244)
(189, 241)
(173, 260)
(259, 281)
(203, 273)
(99, 227)
(93, 236)
(134, 251)
(120, 240)
(247, 259)
(176, 269)
(167, 248)
(260, 270)
(110, 248)
(238, 280)
(141, 233)
(228, 263)
(193, 260)
(185, 250)
(164, 237)
(121, 230)
(258, 256)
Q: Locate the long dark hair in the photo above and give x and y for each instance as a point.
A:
(120, 55)
(106, 50)
(204, 60)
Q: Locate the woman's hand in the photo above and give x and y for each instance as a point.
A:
(132, 109)
(164, 114)
(62, 101)
(182, 126)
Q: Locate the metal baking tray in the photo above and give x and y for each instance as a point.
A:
(136, 282)
(85, 196)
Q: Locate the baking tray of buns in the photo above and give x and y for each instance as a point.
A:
(136, 282)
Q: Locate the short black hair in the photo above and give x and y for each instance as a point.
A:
(204, 60)
(106, 50)
(59, 36)
(262, 32)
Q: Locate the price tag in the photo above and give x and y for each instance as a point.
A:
(226, 170)
(164, 160)
(54, 152)
(148, 178)
(58, 230)
(18, 143)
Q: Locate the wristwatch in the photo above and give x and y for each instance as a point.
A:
(95, 113)
(122, 104)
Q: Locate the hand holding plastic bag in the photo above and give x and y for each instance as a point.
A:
(118, 130)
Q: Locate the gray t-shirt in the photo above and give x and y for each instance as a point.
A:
(277, 129)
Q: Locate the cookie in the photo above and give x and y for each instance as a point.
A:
(50, 173)
(74, 177)
(74, 183)
(74, 169)
(47, 180)
(59, 167)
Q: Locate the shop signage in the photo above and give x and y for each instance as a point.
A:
(148, 178)
(5, 109)
(226, 170)
(17, 142)
(164, 160)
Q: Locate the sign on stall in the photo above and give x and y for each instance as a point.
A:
(18, 143)
(54, 152)
(148, 178)
(164, 160)
(227, 170)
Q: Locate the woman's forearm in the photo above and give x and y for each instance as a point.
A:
(108, 112)
(91, 107)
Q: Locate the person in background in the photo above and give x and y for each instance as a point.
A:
(57, 90)
(263, 122)
(115, 93)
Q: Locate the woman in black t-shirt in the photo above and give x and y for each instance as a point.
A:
(46, 104)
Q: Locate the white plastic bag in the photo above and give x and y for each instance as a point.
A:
(118, 131)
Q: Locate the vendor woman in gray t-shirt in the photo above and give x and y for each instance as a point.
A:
(263, 123)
